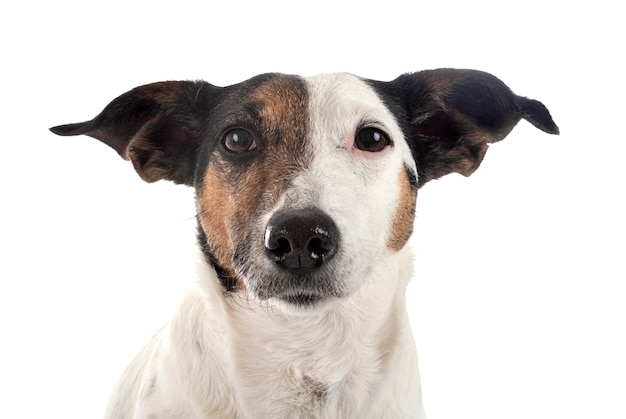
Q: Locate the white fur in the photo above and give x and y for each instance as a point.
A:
(238, 357)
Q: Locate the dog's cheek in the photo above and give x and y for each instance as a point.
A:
(214, 206)
(402, 220)
(233, 208)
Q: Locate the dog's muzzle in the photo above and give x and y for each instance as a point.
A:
(301, 241)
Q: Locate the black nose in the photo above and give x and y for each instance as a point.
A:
(301, 240)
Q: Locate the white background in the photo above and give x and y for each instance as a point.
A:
(518, 304)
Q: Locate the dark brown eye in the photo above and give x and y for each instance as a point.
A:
(371, 139)
(239, 140)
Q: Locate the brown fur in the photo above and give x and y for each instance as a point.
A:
(402, 224)
(215, 208)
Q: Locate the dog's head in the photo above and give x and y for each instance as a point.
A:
(304, 185)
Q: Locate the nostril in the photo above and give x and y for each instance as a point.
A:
(277, 243)
(318, 248)
(284, 247)
(315, 247)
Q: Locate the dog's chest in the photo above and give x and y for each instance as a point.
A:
(307, 370)
(289, 391)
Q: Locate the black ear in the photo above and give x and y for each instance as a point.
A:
(156, 126)
(454, 114)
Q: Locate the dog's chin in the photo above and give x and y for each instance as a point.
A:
(300, 298)
(301, 303)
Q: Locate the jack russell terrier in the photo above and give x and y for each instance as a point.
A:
(305, 194)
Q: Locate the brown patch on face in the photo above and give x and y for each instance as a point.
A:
(214, 202)
(402, 223)
(238, 190)
(275, 99)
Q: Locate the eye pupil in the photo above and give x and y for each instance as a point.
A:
(371, 139)
(239, 140)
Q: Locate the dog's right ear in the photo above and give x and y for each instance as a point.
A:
(156, 126)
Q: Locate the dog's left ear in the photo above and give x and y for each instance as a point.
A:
(156, 126)
(454, 114)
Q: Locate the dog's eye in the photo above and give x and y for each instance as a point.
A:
(371, 139)
(239, 140)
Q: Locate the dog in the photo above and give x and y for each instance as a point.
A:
(305, 194)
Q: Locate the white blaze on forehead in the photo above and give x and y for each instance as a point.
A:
(339, 103)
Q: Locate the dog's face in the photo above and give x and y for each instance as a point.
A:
(304, 185)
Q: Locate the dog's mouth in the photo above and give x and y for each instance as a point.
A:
(296, 293)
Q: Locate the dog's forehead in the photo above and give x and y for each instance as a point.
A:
(277, 95)
(342, 91)
(340, 97)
